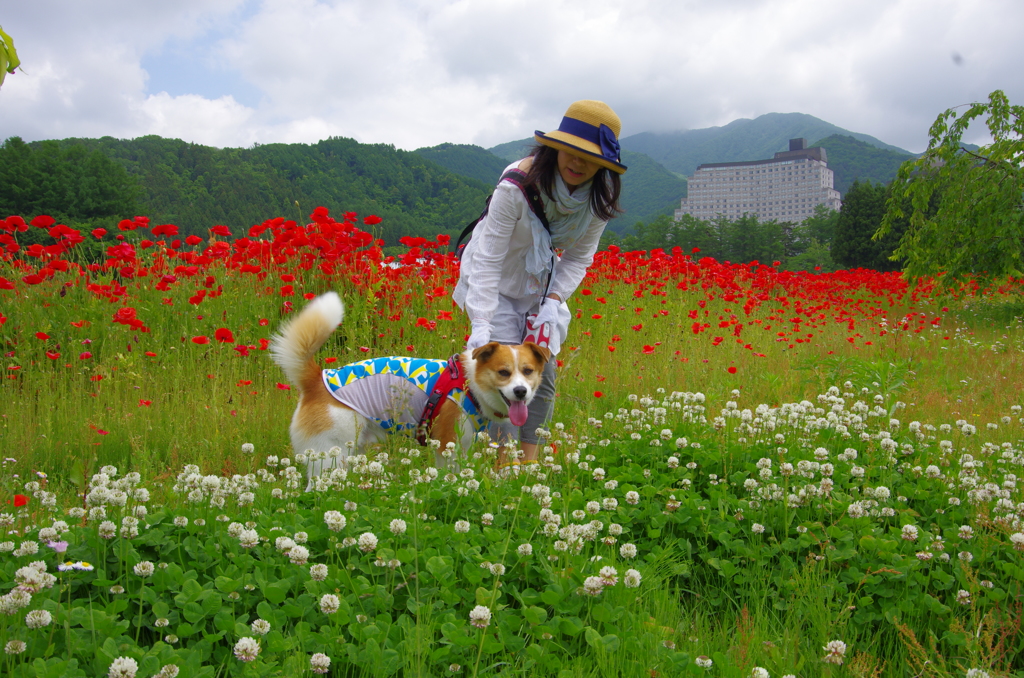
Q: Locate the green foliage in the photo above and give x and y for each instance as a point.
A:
(853, 159)
(70, 183)
(8, 56)
(859, 218)
(740, 140)
(196, 187)
(467, 160)
(965, 208)
(802, 246)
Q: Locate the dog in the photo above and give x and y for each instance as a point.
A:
(347, 408)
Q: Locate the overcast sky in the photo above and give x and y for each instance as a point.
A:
(421, 72)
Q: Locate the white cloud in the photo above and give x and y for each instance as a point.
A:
(420, 72)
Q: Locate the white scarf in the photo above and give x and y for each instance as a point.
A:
(569, 216)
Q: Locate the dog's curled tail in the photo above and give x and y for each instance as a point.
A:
(298, 340)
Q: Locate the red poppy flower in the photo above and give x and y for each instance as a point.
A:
(330, 360)
(224, 335)
(611, 349)
(648, 349)
(221, 230)
(598, 394)
(284, 387)
(731, 370)
(145, 403)
(193, 240)
(96, 377)
(52, 355)
(150, 354)
(201, 340)
(84, 355)
(364, 349)
(244, 382)
(372, 220)
(43, 336)
(102, 432)
(264, 322)
(20, 500)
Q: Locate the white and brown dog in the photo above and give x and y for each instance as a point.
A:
(449, 400)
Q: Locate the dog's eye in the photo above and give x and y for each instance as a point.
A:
(527, 371)
(505, 373)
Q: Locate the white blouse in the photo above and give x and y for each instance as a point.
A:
(495, 259)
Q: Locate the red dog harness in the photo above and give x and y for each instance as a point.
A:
(451, 379)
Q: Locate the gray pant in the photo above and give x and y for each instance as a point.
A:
(509, 327)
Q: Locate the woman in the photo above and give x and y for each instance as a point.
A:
(509, 269)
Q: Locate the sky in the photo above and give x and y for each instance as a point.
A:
(414, 73)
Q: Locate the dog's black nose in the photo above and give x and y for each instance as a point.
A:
(519, 392)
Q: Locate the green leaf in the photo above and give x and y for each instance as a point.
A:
(277, 592)
(535, 615)
(552, 594)
(440, 567)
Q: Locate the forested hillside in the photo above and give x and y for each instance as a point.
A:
(196, 187)
(852, 160)
(473, 162)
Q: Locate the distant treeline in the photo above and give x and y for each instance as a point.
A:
(828, 241)
(96, 181)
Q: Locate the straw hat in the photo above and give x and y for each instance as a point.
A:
(589, 129)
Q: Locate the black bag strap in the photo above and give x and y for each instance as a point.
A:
(517, 177)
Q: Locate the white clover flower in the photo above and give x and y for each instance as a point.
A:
(318, 572)
(260, 627)
(628, 551)
(835, 651)
(632, 498)
(329, 603)
(1017, 539)
(909, 533)
(759, 672)
(593, 586)
(15, 647)
(367, 542)
(247, 649)
(335, 521)
(757, 528)
(37, 619)
(609, 575)
(144, 569)
(248, 538)
(320, 663)
(525, 550)
(248, 448)
(487, 518)
(123, 667)
(497, 569)
(397, 526)
(480, 617)
(977, 673)
(963, 597)
(462, 526)
(704, 661)
(631, 579)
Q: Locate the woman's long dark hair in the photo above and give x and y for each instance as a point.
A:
(604, 190)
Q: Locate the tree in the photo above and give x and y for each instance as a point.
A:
(964, 210)
(859, 219)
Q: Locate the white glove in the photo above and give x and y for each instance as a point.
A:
(478, 338)
(548, 314)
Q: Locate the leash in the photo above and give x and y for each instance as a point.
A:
(451, 379)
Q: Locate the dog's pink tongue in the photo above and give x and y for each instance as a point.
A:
(517, 413)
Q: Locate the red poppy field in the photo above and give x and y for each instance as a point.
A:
(138, 347)
(794, 472)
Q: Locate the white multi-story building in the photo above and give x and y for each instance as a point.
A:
(786, 188)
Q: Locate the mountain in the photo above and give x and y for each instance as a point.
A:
(648, 189)
(743, 139)
(197, 187)
(851, 159)
(470, 161)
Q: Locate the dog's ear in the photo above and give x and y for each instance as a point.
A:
(542, 353)
(485, 352)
